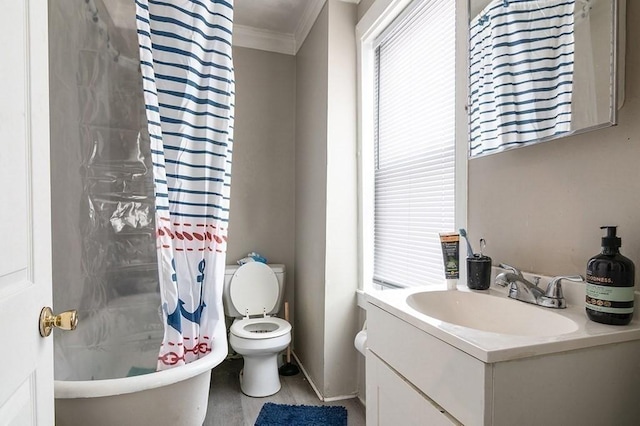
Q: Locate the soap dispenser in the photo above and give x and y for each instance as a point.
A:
(610, 283)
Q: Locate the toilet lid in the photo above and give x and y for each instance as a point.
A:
(254, 289)
(260, 328)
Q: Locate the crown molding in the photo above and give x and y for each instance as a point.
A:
(309, 16)
(271, 41)
(255, 38)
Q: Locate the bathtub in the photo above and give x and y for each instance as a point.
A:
(178, 396)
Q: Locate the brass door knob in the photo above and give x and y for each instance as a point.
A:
(67, 320)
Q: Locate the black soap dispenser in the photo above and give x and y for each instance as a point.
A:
(610, 283)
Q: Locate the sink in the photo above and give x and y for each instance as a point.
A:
(490, 313)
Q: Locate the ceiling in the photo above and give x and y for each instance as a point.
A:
(281, 16)
(274, 25)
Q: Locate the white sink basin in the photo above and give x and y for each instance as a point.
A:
(490, 313)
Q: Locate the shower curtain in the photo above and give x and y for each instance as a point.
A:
(521, 61)
(188, 80)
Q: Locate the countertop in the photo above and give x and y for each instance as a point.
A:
(492, 347)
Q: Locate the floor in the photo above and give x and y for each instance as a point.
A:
(228, 406)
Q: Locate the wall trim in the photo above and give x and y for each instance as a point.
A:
(315, 388)
(255, 38)
(271, 41)
(309, 16)
(304, 371)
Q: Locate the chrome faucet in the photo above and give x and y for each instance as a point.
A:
(526, 291)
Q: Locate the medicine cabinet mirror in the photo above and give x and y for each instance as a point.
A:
(541, 70)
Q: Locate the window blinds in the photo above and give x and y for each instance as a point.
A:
(414, 144)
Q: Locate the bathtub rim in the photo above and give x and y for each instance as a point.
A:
(66, 389)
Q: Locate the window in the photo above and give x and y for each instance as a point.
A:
(414, 154)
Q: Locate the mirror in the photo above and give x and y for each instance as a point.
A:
(540, 70)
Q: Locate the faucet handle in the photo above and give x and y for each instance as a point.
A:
(513, 269)
(554, 289)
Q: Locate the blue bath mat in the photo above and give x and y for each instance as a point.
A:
(301, 415)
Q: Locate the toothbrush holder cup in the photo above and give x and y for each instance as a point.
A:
(478, 272)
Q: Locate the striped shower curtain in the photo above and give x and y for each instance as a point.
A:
(520, 73)
(188, 80)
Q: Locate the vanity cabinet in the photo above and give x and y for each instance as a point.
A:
(439, 375)
(398, 402)
(414, 378)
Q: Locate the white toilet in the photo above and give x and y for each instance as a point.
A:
(253, 292)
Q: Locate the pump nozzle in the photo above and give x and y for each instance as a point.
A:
(611, 240)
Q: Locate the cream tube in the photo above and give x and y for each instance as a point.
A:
(450, 242)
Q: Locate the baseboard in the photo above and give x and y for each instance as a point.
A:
(340, 397)
(304, 371)
(315, 388)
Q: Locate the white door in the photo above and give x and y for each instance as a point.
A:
(26, 359)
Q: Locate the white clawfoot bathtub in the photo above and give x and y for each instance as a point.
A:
(172, 397)
(178, 396)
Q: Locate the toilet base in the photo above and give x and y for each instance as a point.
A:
(259, 377)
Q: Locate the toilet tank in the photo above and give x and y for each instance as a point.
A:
(229, 310)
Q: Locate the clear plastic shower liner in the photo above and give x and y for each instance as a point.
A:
(116, 290)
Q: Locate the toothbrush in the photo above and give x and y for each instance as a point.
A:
(463, 234)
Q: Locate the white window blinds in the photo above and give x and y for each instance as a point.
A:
(414, 144)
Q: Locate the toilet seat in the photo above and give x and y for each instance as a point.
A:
(254, 289)
(260, 328)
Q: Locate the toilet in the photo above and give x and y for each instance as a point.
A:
(252, 295)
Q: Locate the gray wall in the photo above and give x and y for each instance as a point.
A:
(326, 202)
(363, 6)
(341, 268)
(263, 173)
(540, 207)
(311, 195)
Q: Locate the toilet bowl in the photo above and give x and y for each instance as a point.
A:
(252, 293)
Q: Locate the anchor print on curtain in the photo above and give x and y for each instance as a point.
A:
(188, 80)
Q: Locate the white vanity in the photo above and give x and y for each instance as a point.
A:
(480, 358)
